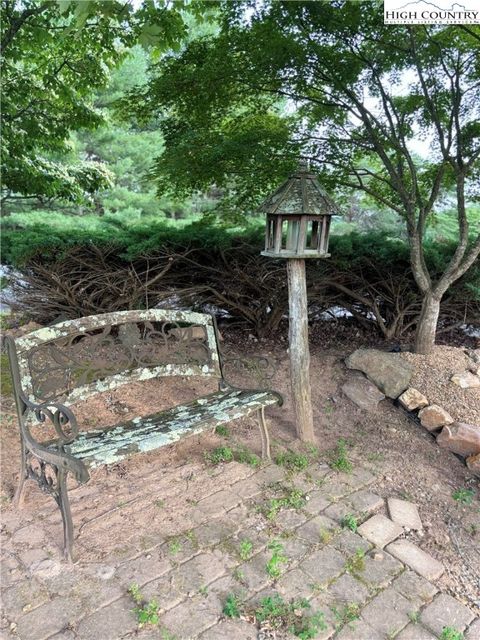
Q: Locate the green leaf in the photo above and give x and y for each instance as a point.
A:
(82, 12)
(150, 35)
(64, 5)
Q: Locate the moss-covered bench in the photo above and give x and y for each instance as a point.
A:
(54, 367)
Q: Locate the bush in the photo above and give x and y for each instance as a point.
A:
(101, 267)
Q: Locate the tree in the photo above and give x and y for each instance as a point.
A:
(55, 54)
(330, 82)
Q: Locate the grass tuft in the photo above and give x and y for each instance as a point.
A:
(145, 611)
(463, 496)
(338, 458)
(292, 461)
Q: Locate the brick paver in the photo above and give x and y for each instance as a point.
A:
(445, 611)
(109, 623)
(379, 569)
(388, 612)
(473, 631)
(380, 530)
(417, 559)
(359, 630)
(190, 559)
(238, 630)
(324, 565)
(404, 513)
(350, 543)
(415, 588)
(415, 632)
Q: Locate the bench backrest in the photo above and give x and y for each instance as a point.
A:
(75, 359)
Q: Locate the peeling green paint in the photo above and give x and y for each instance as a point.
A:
(108, 382)
(64, 329)
(142, 434)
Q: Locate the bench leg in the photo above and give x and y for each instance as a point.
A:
(64, 505)
(262, 423)
(20, 492)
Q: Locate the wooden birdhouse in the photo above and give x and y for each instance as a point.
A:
(298, 218)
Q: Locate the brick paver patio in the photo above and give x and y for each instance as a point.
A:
(177, 533)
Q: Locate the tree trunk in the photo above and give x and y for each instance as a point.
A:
(299, 349)
(427, 325)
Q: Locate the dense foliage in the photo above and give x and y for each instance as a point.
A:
(54, 56)
(69, 273)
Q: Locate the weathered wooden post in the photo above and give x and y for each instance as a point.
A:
(298, 224)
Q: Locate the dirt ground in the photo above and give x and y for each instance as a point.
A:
(408, 462)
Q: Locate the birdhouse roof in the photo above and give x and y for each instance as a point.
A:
(300, 195)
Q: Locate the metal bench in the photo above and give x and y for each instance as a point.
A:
(54, 367)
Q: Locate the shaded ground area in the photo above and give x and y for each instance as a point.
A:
(214, 535)
(175, 526)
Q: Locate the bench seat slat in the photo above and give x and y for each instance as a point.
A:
(113, 444)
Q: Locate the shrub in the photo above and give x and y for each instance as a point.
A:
(96, 267)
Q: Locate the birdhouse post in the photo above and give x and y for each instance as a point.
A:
(298, 224)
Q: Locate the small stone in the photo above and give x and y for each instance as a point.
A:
(412, 399)
(416, 559)
(445, 611)
(380, 530)
(363, 393)
(466, 380)
(433, 417)
(475, 368)
(473, 463)
(460, 438)
(404, 513)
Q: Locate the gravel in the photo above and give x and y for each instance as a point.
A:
(432, 377)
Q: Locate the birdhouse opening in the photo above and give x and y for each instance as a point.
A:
(290, 236)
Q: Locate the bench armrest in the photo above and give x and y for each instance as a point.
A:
(65, 424)
(61, 417)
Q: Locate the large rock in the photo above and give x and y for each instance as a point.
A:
(363, 393)
(473, 463)
(389, 371)
(460, 438)
(412, 399)
(434, 417)
(466, 380)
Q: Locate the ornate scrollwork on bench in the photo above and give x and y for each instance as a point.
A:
(81, 358)
(253, 371)
(66, 428)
